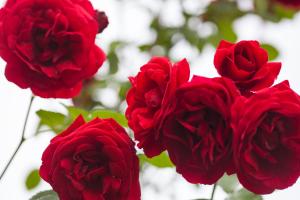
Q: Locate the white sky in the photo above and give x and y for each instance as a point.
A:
(133, 26)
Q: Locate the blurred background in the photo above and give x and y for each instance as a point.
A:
(140, 29)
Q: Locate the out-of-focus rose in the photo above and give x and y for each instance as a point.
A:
(267, 139)
(246, 63)
(92, 161)
(151, 90)
(197, 131)
(49, 45)
(290, 3)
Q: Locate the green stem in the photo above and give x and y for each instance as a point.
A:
(21, 141)
(213, 192)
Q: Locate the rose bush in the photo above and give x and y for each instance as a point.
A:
(94, 160)
(151, 89)
(246, 63)
(197, 131)
(267, 139)
(49, 45)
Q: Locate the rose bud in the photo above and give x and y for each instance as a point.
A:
(197, 131)
(151, 89)
(246, 63)
(94, 160)
(266, 143)
(49, 46)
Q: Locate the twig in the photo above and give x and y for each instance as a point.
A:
(21, 141)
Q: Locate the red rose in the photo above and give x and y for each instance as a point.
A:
(197, 131)
(151, 90)
(94, 160)
(246, 63)
(290, 3)
(267, 139)
(49, 45)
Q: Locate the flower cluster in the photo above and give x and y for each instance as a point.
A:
(236, 123)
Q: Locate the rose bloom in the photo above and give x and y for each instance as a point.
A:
(267, 139)
(49, 45)
(151, 89)
(92, 161)
(197, 131)
(246, 63)
(290, 3)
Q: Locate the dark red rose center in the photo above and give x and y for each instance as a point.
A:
(89, 166)
(153, 98)
(46, 39)
(245, 60)
(204, 129)
(269, 132)
(92, 168)
(267, 142)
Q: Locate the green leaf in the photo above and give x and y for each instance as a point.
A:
(45, 195)
(74, 112)
(55, 121)
(228, 183)
(273, 11)
(264, 9)
(33, 179)
(104, 114)
(284, 12)
(244, 194)
(86, 99)
(200, 199)
(124, 87)
(272, 51)
(161, 161)
(226, 30)
(145, 47)
(217, 10)
(164, 36)
(261, 6)
(193, 37)
(112, 56)
(113, 62)
(222, 14)
(59, 122)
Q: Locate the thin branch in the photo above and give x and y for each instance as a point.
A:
(213, 192)
(21, 141)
